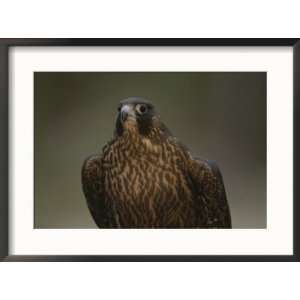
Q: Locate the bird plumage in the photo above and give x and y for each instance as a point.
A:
(145, 178)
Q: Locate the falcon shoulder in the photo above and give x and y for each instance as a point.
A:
(92, 179)
(210, 193)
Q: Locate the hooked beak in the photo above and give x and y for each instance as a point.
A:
(127, 112)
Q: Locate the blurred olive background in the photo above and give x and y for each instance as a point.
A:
(220, 116)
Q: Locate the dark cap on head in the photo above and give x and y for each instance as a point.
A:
(136, 100)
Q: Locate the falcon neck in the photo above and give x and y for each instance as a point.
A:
(135, 143)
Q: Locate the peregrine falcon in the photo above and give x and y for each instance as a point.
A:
(146, 178)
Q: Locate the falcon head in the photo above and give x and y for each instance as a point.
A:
(137, 116)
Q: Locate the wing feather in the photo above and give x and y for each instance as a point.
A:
(93, 188)
(211, 195)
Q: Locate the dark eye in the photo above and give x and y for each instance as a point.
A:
(119, 108)
(141, 109)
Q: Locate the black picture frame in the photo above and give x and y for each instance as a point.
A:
(5, 44)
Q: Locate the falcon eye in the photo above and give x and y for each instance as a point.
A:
(119, 108)
(141, 108)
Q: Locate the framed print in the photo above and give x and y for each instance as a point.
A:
(149, 149)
